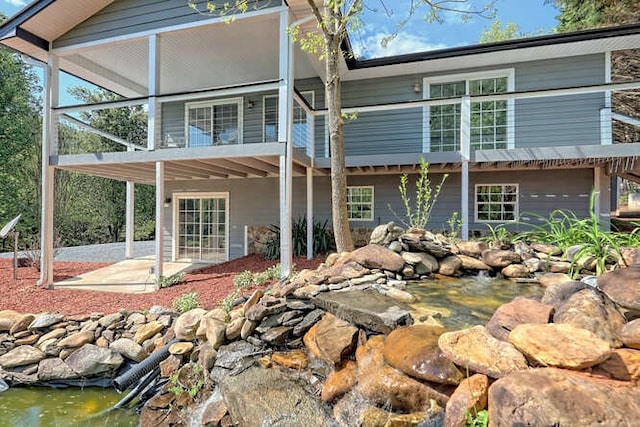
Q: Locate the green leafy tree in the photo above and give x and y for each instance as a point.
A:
(335, 18)
(498, 33)
(19, 130)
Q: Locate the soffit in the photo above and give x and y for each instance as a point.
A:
(61, 16)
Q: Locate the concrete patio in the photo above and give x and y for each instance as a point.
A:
(128, 276)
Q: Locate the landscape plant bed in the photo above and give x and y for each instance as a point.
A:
(211, 284)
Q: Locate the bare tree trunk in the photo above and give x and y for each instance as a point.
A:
(333, 87)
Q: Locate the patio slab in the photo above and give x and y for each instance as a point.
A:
(128, 276)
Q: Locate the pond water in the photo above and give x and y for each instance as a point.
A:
(470, 301)
(69, 407)
(456, 303)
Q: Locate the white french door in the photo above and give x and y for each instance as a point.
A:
(201, 224)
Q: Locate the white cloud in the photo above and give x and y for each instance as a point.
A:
(371, 46)
(18, 3)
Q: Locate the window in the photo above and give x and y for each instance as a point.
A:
(496, 202)
(300, 131)
(491, 121)
(360, 203)
(214, 122)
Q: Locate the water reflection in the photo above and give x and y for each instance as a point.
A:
(48, 407)
(460, 303)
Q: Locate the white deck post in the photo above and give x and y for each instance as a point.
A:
(49, 147)
(309, 213)
(602, 208)
(129, 220)
(152, 144)
(606, 127)
(285, 134)
(159, 247)
(465, 154)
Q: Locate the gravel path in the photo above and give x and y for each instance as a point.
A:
(108, 252)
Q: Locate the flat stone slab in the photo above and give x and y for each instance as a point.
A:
(368, 309)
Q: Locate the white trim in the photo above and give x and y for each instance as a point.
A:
(197, 195)
(159, 241)
(373, 204)
(238, 101)
(516, 211)
(606, 124)
(264, 120)
(509, 73)
(66, 50)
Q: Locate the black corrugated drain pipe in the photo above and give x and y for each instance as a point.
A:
(138, 371)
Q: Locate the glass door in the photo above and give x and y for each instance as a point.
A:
(201, 228)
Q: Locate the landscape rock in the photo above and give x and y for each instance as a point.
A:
(55, 368)
(385, 234)
(559, 345)
(623, 365)
(476, 349)
(21, 356)
(22, 324)
(368, 309)
(77, 340)
(414, 350)
(259, 396)
(374, 256)
(520, 310)
(548, 279)
(499, 258)
(147, 331)
(470, 397)
(334, 338)
(340, 381)
(623, 287)
(515, 271)
(428, 264)
(546, 248)
(383, 385)
(129, 349)
(91, 360)
(592, 310)
(450, 265)
(186, 325)
(45, 320)
(215, 331)
(629, 334)
(557, 294)
(473, 248)
(550, 396)
(470, 263)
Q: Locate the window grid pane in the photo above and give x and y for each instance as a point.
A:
(496, 203)
(271, 119)
(488, 118)
(360, 203)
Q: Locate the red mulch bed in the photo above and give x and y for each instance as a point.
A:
(211, 283)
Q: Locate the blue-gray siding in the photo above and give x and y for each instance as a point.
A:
(256, 201)
(131, 16)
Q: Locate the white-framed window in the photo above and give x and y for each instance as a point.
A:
(497, 202)
(217, 122)
(360, 203)
(491, 121)
(270, 118)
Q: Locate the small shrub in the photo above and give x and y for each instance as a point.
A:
(186, 302)
(243, 280)
(455, 224)
(418, 213)
(477, 419)
(168, 281)
(227, 302)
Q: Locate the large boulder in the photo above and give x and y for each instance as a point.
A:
(623, 365)
(186, 325)
(334, 338)
(91, 360)
(259, 397)
(499, 258)
(471, 263)
(472, 248)
(427, 264)
(374, 256)
(129, 349)
(55, 368)
(560, 345)
(340, 381)
(77, 340)
(381, 384)
(385, 234)
(520, 310)
(478, 350)
(414, 350)
(555, 397)
(592, 310)
(623, 287)
(450, 265)
(557, 294)
(368, 309)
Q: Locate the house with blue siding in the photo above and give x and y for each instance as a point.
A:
(237, 131)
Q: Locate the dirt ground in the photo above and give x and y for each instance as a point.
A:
(211, 284)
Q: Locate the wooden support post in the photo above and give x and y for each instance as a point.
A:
(465, 154)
